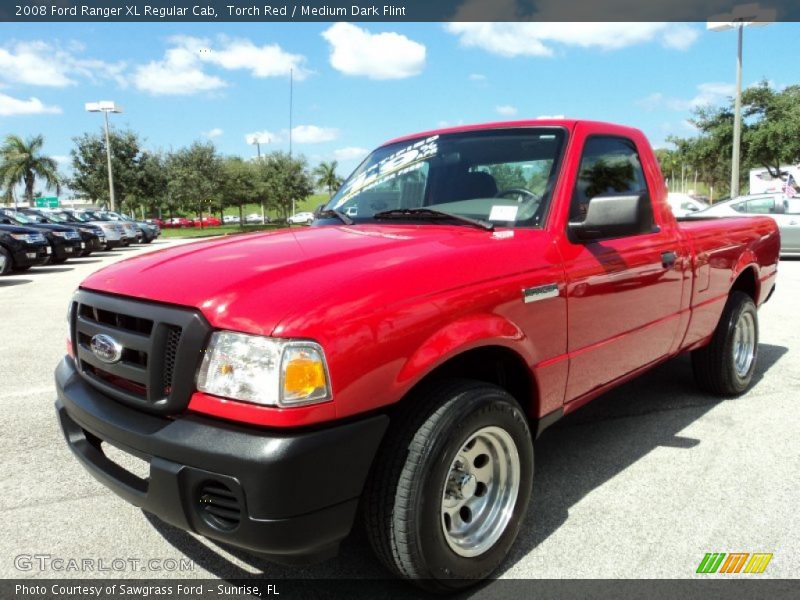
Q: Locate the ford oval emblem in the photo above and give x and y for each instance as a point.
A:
(106, 348)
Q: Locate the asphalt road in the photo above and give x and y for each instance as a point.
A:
(639, 484)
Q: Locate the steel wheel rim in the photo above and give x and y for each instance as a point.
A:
(2, 263)
(480, 491)
(744, 344)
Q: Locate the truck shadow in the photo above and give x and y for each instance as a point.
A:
(575, 456)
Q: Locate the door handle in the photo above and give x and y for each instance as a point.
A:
(668, 259)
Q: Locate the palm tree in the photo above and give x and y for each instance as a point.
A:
(23, 162)
(326, 176)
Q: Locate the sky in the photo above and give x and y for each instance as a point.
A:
(357, 85)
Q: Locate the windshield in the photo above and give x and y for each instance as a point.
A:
(92, 216)
(502, 176)
(60, 218)
(21, 218)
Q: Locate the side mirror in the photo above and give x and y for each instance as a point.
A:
(614, 216)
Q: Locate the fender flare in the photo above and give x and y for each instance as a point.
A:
(462, 335)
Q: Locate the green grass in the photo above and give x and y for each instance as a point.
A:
(197, 232)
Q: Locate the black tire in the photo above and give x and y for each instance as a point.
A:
(18, 269)
(6, 261)
(403, 499)
(58, 261)
(715, 365)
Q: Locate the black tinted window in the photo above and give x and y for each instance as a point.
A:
(609, 166)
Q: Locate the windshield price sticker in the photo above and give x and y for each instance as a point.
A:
(503, 213)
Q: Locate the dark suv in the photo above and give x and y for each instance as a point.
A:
(21, 248)
(92, 235)
(65, 242)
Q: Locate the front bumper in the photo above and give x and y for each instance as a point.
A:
(293, 495)
(31, 255)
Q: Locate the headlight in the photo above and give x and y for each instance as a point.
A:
(61, 234)
(22, 237)
(264, 370)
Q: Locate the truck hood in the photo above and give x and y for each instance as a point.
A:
(250, 282)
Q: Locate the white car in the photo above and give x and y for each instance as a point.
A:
(784, 211)
(230, 219)
(684, 204)
(302, 218)
(253, 218)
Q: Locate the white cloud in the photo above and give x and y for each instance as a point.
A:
(707, 94)
(541, 39)
(213, 133)
(389, 55)
(506, 110)
(269, 60)
(179, 73)
(10, 106)
(262, 137)
(349, 153)
(312, 134)
(45, 64)
(182, 70)
(477, 77)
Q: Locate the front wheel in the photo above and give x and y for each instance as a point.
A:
(726, 365)
(6, 262)
(451, 485)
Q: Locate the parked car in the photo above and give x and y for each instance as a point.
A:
(254, 218)
(397, 370)
(22, 248)
(158, 222)
(684, 204)
(785, 211)
(147, 232)
(206, 221)
(65, 242)
(93, 237)
(230, 219)
(130, 232)
(301, 218)
(114, 232)
(179, 222)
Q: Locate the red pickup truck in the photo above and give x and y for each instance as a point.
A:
(393, 363)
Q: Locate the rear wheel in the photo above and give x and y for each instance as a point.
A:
(726, 365)
(451, 485)
(18, 269)
(6, 262)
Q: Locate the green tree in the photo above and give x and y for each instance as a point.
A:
(772, 133)
(22, 162)
(325, 176)
(239, 183)
(194, 178)
(90, 169)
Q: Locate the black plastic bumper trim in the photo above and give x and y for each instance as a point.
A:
(298, 491)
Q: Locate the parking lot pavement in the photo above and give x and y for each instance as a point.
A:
(641, 483)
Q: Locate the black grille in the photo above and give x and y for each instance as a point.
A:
(170, 352)
(219, 506)
(161, 349)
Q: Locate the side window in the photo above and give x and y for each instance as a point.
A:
(761, 206)
(609, 165)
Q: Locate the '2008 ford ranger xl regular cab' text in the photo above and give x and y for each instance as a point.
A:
(394, 362)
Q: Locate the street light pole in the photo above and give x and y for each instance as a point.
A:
(105, 107)
(110, 170)
(737, 117)
(740, 17)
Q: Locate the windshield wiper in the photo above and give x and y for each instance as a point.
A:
(338, 214)
(430, 213)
